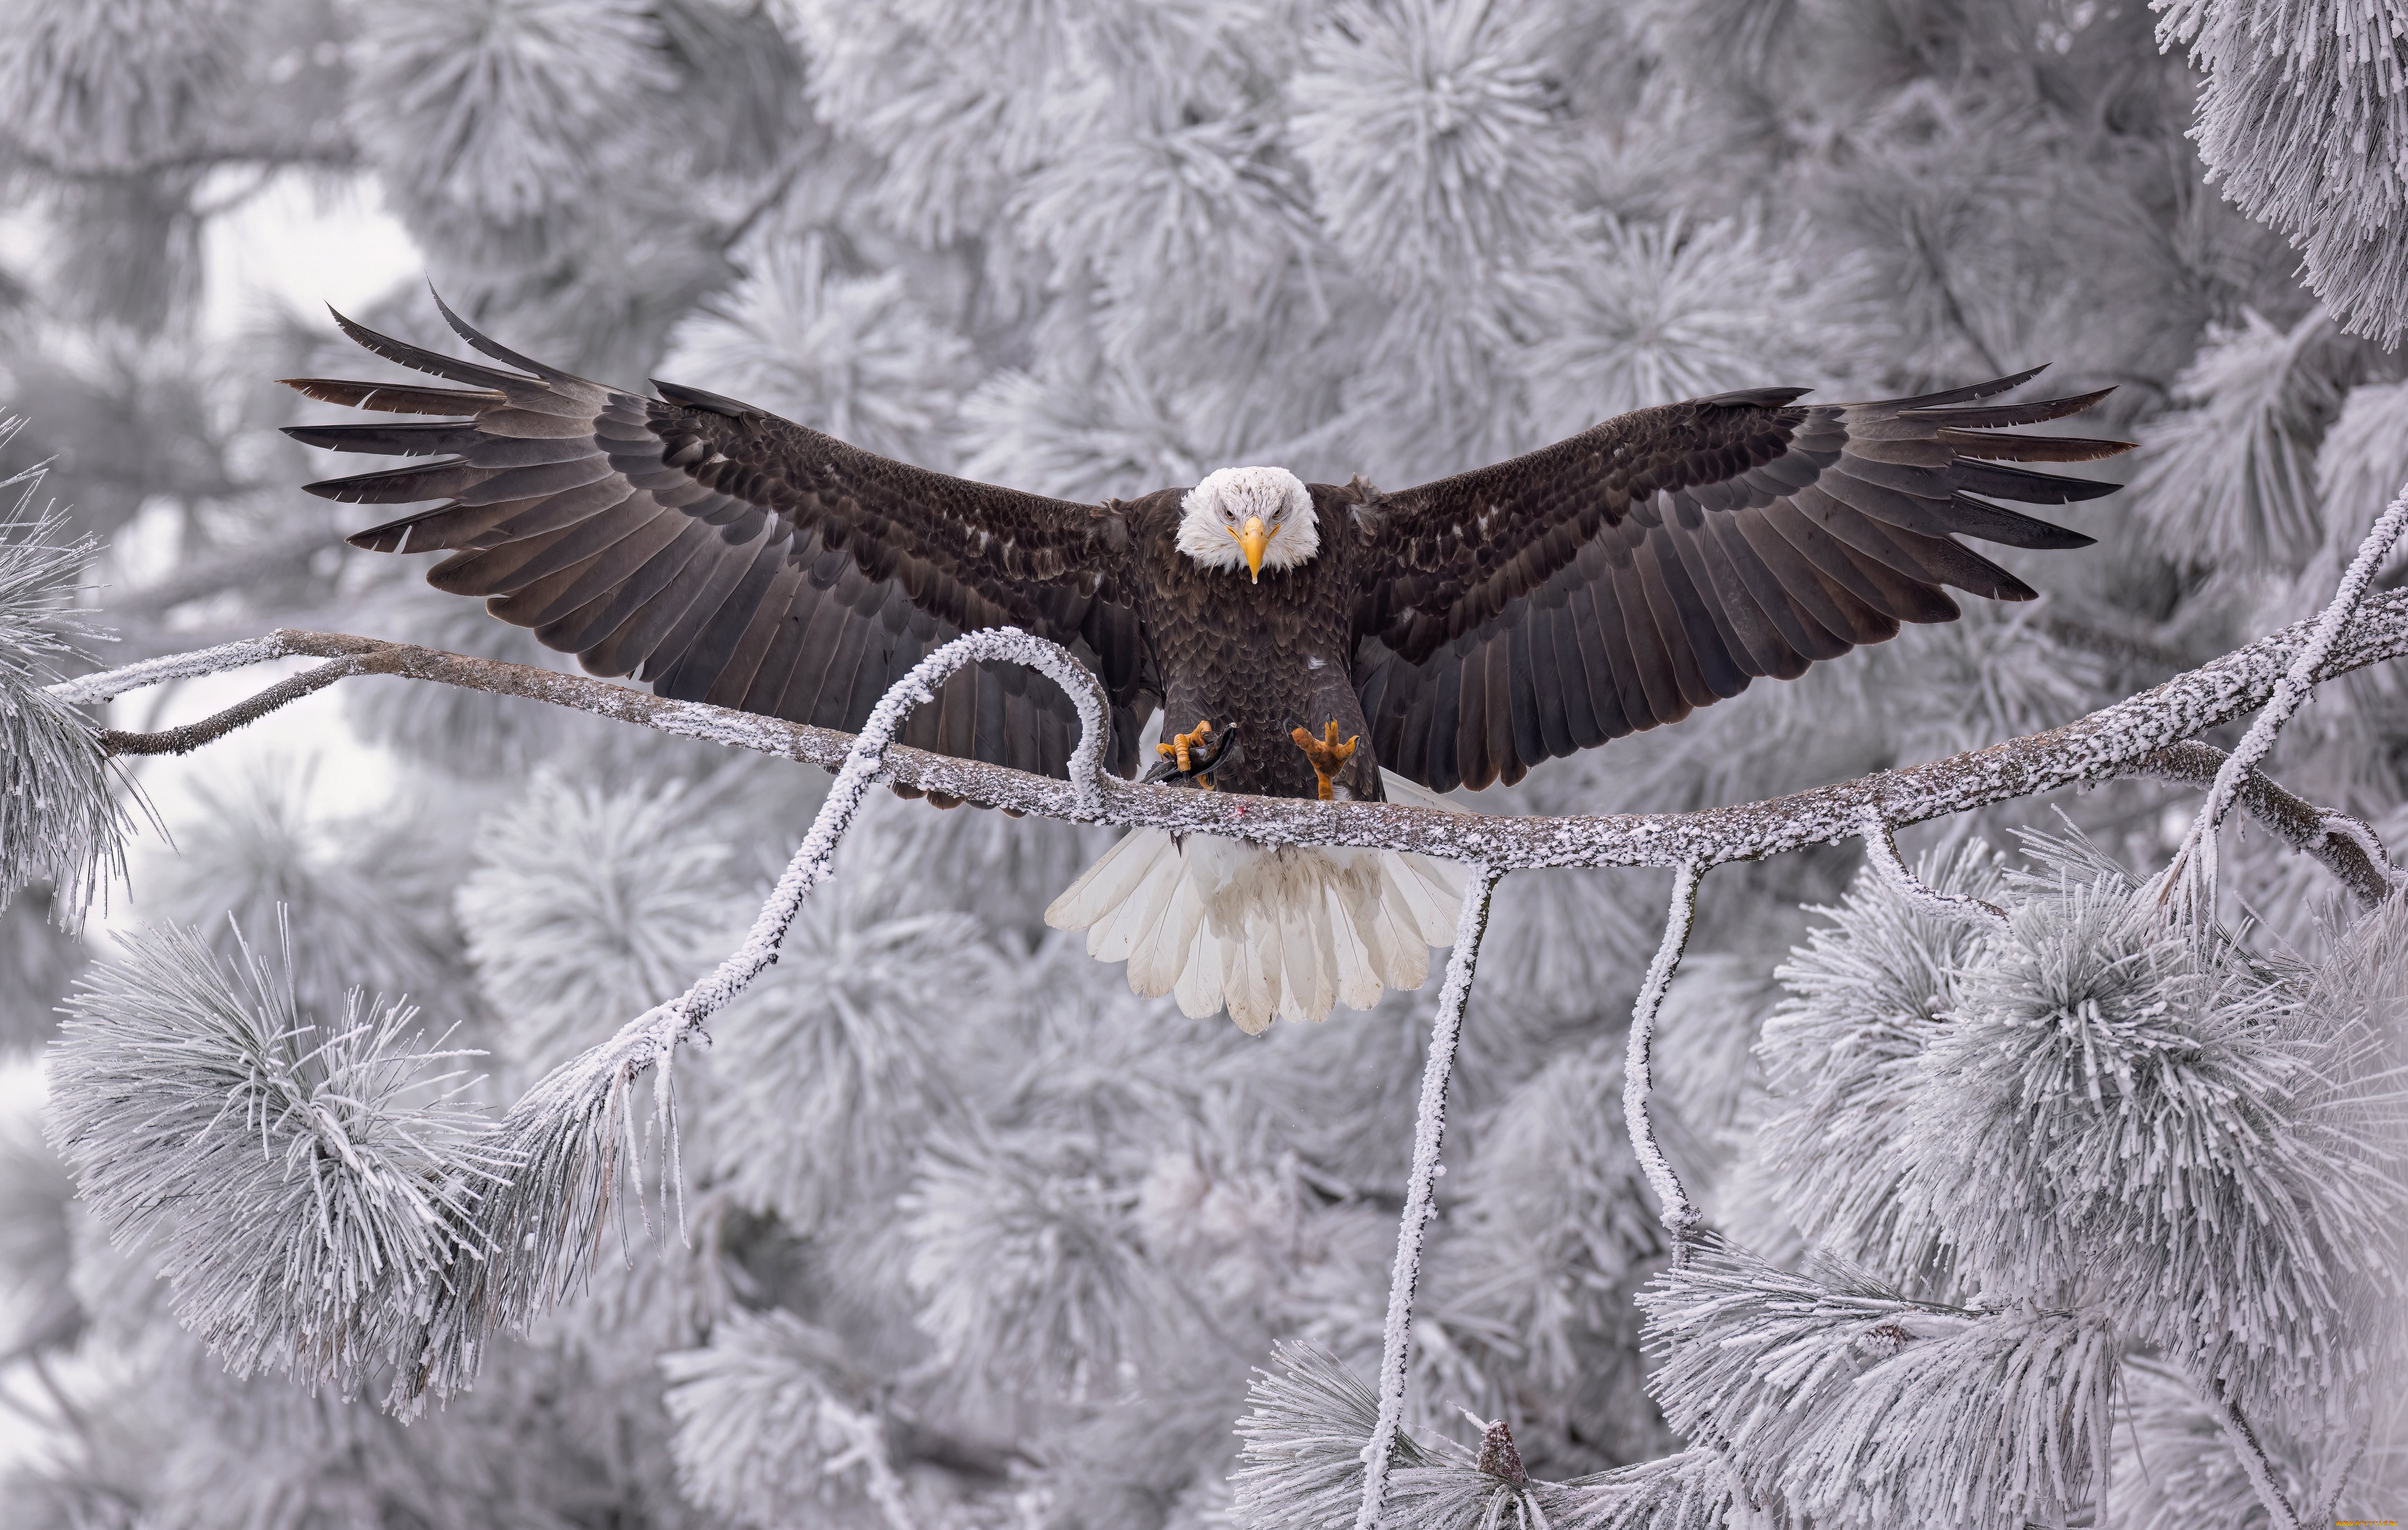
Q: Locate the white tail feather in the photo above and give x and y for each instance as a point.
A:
(1286, 931)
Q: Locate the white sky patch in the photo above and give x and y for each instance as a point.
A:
(290, 242)
(297, 241)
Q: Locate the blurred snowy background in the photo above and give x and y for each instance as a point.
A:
(952, 1190)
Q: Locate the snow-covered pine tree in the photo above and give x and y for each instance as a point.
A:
(2073, 1215)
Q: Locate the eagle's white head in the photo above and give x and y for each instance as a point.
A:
(1260, 516)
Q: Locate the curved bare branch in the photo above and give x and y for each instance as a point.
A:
(1881, 850)
(2347, 846)
(1683, 1219)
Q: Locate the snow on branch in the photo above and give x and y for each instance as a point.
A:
(1682, 1217)
(2345, 846)
(1421, 1188)
(2194, 865)
(1881, 852)
(2111, 742)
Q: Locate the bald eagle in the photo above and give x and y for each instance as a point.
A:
(1300, 639)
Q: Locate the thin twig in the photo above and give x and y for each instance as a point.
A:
(208, 730)
(655, 1035)
(2254, 1463)
(1429, 1131)
(2101, 747)
(2346, 846)
(2194, 864)
(86, 689)
(2348, 1469)
(1682, 1218)
(1881, 850)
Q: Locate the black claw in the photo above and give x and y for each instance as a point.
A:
(1226, 750)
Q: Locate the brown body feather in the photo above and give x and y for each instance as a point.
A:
(1468, 629)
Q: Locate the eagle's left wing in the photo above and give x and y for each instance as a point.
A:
(726, 556)
(1662, 560)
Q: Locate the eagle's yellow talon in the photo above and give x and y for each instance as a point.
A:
(1183, 744)
(1326, 752)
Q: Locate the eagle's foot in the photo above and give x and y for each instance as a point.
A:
(1185, 747)
(1326, 752)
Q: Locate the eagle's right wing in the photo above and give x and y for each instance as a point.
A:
(729, 556)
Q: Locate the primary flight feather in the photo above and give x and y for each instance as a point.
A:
(1300, 639)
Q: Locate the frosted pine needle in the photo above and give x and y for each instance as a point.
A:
(2124, 1115)
(2304, 119)
(1029, 1269)
(2230, 476)
(1432, 131)
(501, 108)
(848, 354)
(308, 1184)
(62, 820)
(1842, 1056)
(1837, 1396)
(769, 1417)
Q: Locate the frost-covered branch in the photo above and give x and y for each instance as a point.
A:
(1682, 1218)
(2102, 746)
(500, 1248)
(86, 689)
(2345, 845)
(2194, 864)
(1421, 1188)
(529, 1236)
(208, 730)
(2252, 1455)
(1881, 851)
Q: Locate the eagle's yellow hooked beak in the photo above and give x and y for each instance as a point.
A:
(1254, 537)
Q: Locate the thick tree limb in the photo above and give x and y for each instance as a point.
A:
(2112, 742)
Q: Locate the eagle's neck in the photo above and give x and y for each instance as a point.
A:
(1231, 495)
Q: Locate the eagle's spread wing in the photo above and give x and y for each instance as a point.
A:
(1660, 561)
(729, 556)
